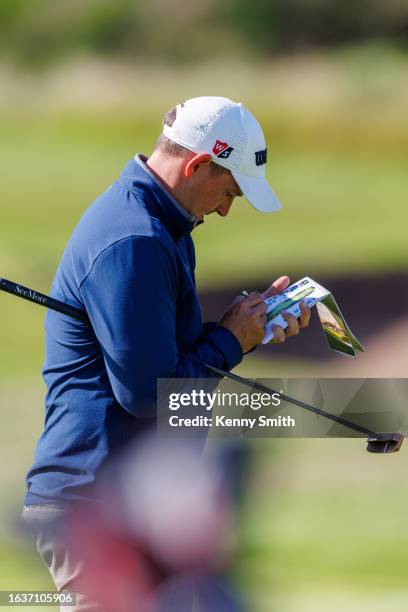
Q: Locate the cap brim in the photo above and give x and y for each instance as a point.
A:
(258, 192)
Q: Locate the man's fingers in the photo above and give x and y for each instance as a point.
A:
(259, 310)
(305, 316)
(278, 334)
(238, 299)
(277, 286)
(253, 299)
(262, 320)
(293, 325)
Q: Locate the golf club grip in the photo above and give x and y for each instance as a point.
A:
(42, 300)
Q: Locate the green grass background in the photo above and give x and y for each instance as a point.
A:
(324, 523)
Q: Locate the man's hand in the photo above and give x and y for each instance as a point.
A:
(294, 324)
(246, 319)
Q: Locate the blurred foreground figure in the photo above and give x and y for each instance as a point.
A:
(161, 537)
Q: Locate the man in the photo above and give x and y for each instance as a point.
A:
(130, 265)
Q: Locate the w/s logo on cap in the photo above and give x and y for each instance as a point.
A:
(221, 149)
(260, 157)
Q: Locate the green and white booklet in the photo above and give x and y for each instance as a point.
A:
(339, 336)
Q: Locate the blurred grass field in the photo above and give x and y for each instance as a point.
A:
(343, 212)
(325, 522)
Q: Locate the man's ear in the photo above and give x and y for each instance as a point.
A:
(201, 159)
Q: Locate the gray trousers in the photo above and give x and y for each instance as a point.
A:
(45, 523)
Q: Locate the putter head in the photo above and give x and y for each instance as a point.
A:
(389, 443)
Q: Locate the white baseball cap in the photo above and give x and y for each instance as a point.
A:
(228, 132)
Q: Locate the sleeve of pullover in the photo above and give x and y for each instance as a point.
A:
(130, 296)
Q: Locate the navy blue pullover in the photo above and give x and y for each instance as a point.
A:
(130, 264)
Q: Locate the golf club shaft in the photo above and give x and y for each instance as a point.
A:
(57, 305)
(254, 384)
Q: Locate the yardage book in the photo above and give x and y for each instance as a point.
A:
(339, 336)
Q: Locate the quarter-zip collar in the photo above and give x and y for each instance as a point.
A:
(137, 177)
